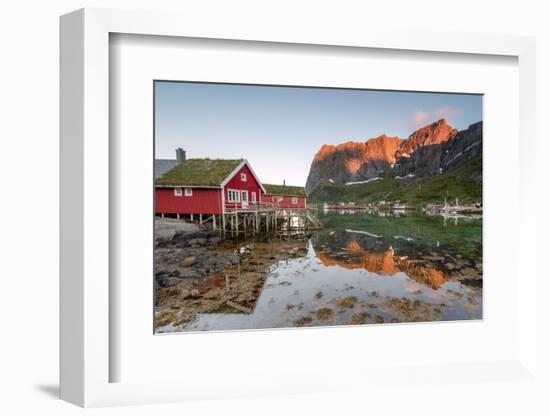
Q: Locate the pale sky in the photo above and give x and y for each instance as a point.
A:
(279, 129)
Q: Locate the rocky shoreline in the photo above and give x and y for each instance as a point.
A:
(198, 272)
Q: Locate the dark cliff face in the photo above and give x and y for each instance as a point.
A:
(467, 144)
(429, 151)
(435, 159)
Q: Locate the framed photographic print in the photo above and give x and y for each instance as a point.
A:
(308, 227)
(269, 211)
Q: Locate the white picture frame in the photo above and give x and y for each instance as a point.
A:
(85, 209)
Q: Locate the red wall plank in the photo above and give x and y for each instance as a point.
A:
(203, 201)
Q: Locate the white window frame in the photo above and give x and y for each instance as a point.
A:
(243, 177)
(188, 191)
(253, 197)
(294, 200)
(231, 193)
(178, 192)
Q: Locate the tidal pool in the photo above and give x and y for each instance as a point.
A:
(368, 269)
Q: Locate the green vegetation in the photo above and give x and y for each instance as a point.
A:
(463, 182)
(285, 190)
(463, 237)
(206, 172)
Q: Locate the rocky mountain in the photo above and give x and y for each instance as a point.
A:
(352, 161)
(429, 151)
(436, 159)
(432, 134)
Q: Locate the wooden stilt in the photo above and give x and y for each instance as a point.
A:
(191, 217)
(288, 219)
(200, 219)
(281, 221)
(213, 221)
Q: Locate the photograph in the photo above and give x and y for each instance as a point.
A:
(289, 207)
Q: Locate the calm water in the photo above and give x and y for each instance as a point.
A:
(370, 268)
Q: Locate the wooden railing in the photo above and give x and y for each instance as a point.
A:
(251, 206)
(265, 206)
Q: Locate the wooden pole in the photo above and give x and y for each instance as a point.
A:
(213, 221)
(288, 219)
(200, 219)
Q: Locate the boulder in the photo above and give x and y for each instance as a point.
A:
(188, 261)
(197, 242)
(188, 273)
(168, 281)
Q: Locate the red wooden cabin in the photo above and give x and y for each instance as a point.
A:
(207, 187)
(284, 196)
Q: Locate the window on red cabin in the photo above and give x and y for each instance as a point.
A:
(243, 177)
(177, 192)
(188, 192)
(233, 195)
(294, 200)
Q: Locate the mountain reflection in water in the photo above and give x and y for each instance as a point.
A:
(366, 269)
(383, 263)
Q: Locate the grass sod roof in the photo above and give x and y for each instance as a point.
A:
(199, 172)
(285, 190)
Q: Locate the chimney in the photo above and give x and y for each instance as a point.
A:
(284, 182)
(180, 155)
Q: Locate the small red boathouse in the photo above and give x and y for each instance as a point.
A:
(283, 196)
